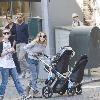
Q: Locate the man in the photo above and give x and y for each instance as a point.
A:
(21, 39)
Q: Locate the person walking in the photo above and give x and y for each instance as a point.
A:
(12, 26)
(21, 39)
(7, 65)
(34, 48)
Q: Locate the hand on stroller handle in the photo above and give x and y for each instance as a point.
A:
(41, 54)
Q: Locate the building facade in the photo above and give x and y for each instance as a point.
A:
(53, 13)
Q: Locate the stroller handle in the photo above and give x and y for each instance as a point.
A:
(39, 54)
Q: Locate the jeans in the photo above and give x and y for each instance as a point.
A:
(21, 56)
(34, 69)
(5, 74)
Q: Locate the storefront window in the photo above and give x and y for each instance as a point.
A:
(13, 7)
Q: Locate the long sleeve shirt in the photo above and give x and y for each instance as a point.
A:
(77, 23)
(33, 49)
(6, 61)
(21, 33)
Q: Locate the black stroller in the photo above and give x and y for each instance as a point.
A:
(60, 83)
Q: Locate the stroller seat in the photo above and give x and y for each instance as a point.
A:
(62, 59)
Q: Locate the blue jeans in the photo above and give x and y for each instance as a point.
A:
(5, 74)
(34, 68)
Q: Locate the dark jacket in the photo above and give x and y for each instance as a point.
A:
(22, 33)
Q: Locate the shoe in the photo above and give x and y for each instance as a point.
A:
(22, 97)
(27, 75)
(28, 88)
(28, 97)
(1, 97)
(36, 94)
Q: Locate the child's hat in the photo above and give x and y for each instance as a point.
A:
(74, 15)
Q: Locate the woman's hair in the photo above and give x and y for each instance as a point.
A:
(45, 36)
(21, 14)
(8, 16)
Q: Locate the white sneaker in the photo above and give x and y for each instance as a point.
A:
(27, 75)
(22, 97)
(37, 94)
(28, 97)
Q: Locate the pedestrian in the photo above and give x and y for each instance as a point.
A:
(35, 47)
(7, 65)
(21, 39)
(75, 20)
(12, 26)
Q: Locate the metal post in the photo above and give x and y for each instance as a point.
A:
(30, 8)
(45, 22)
(89, 72)
(10, 11)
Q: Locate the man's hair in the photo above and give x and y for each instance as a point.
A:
(21, 14)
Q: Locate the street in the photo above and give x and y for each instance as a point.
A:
(91, 91)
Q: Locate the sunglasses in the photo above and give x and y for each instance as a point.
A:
(18, 17)
(44, 36)
(6, 33)
(75, 17)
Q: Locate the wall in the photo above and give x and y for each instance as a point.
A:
(60, 12)
(36, 9)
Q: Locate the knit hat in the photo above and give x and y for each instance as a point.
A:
(74, 15)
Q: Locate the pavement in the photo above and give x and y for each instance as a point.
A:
(88, 92)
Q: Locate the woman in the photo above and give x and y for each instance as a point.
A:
(12, 26)
(36, 47)
(7, 65)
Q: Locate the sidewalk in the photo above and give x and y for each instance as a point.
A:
(11, 93)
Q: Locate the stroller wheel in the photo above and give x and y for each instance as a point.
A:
(79, 92)
(79, 89)
(71, 91)
(47, 92)
(62, 92)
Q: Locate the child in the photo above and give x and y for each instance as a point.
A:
(76, 21)
(7, 65)
(36, 47)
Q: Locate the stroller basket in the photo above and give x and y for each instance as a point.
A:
(78, 70)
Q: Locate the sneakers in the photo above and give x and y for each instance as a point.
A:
(1, 97)
(28, 88)
(22, 97)
(36, 94)
(24, 75)
(27, 74)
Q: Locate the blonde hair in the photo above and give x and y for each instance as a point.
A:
(22, 15)
(45, 41)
